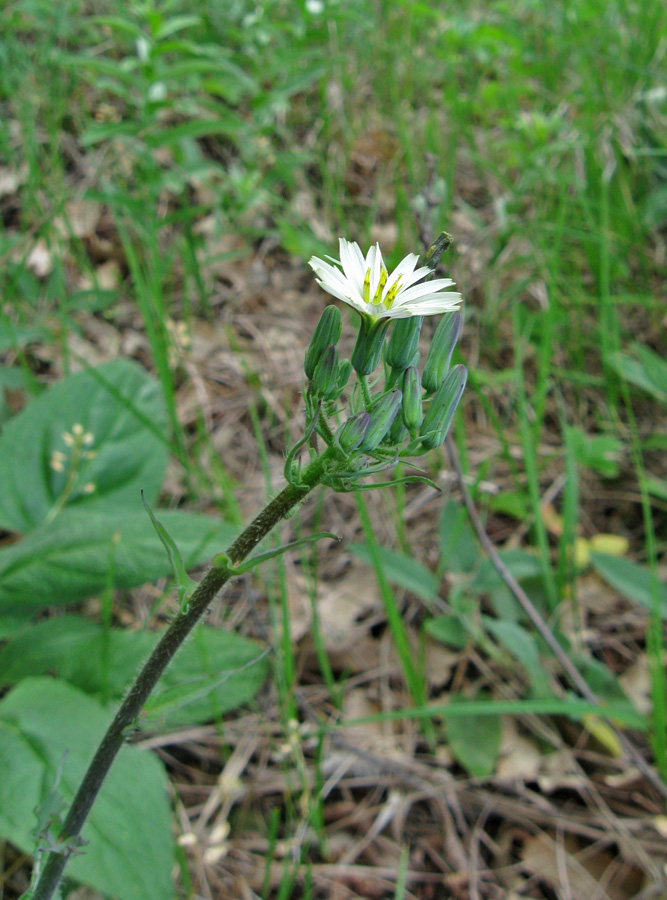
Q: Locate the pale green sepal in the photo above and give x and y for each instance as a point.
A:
(184, 584)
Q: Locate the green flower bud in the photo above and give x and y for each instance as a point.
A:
(403, 342)
(443, 406)
(326, 374)
(352, 433)
(326, 332)
(382, 415)
(370, 340)
(412, 399)
(344, 370)
(440, 352)
(397, 433)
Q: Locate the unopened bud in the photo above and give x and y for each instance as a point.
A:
(370, 340)
(382, 415)
(412, 400)
(440, 352)
(344, 371)
(326, 333)
(403, 342)
(397, 433)
(326, 373)
(443, 406)
(352, 433)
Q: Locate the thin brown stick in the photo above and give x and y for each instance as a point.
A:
(524, 600)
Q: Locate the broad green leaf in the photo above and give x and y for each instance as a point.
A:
(77, 554)
(522, 565)
(401, 570)
(13, 384)
(648, 372)
(601, 453)
(214, 672)
(474, 740)
(523, 647)
(449, 630)
(122, 410)
(14, 623)
(45, 724)
(631, 580)
(526, 569)
(459, 547)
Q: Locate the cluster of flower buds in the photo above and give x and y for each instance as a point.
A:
(399, 413)
(326, 374)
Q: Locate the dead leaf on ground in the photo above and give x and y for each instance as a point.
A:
(11, 179)
(519, 756)
(582, 873)
(40, 259)
(376, 739)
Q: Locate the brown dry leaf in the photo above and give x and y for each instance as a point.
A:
(439, 663)
(40, 260)
(552, 519)
(372, 155)
(378, 739)
(107, 277)
(558, 770)
(304, 207)
(11, 179)
(81, 218)
(385, 234)
(519, 756)
(636, 682)
(578, 873)
(339, 604)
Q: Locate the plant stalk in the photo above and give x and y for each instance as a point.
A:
(212, 582)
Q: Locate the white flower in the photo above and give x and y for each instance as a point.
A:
(366, 285)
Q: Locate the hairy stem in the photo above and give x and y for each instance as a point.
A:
(212, 582)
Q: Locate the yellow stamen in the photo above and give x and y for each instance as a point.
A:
(367, 286)
(392, 292)
(377, 298)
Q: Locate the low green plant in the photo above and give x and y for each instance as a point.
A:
(91, 442)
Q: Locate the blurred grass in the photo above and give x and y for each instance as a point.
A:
(534, 132)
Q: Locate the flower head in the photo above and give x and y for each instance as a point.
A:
(367, 286)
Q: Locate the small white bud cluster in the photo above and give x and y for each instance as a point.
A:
(79, 443)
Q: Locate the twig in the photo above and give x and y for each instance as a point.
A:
(524, 600)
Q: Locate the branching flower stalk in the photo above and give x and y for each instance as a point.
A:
(365, 429)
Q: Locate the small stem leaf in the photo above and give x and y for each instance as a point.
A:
(184, 584)
(259, 558)
(409, 479)
(289, 461)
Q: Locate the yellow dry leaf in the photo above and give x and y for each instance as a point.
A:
(582, 553)
(604, 734)
(552, 519)
(611, 544)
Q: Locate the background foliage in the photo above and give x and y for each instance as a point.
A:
(164, 176)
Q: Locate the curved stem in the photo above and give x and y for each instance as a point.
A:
(212, 582)
(363, 382)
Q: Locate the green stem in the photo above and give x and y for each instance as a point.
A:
(363, 381)
(212, 582)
